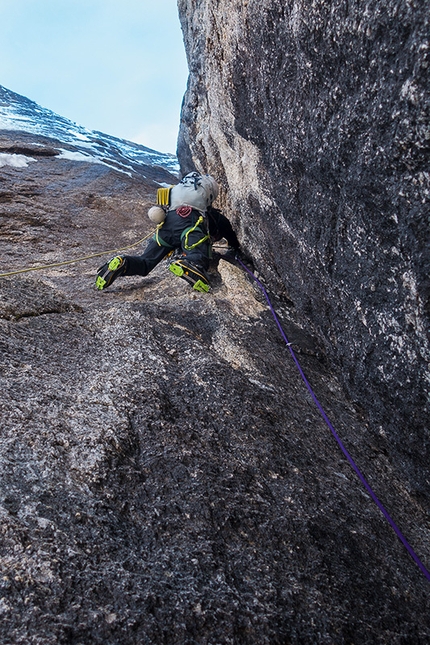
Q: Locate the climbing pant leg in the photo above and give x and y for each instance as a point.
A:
(143, 264)
(200, 254)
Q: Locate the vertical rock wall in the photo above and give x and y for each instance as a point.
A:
(314, 115)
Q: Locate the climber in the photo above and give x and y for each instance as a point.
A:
(187, 224)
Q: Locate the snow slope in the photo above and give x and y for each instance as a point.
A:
(18, 113)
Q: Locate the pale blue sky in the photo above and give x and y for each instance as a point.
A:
(117, 66)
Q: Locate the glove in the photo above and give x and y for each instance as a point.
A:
(228, 254)
(240, 255)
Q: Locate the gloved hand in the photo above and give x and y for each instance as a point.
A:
(230, 253)
(241, 255)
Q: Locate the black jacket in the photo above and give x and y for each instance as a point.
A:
(219, 227)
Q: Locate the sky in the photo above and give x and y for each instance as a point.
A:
(117, 66)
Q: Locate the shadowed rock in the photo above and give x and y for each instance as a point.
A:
(316, 120)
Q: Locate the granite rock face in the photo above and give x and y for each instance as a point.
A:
(165, 477)
(315, 117)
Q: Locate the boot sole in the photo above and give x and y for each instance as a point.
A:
(198, 284)
(105, 280)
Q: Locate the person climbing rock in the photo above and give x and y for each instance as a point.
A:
(187, 224)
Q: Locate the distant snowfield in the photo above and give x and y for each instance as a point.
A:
(17, 113)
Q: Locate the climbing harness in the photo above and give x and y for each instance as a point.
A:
(379, 504)
(87, 257)
(184, 235)
(191, 229)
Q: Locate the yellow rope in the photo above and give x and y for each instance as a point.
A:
(87, 257)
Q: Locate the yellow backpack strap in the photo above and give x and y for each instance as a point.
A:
(163, 196)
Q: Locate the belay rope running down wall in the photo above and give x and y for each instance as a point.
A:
(333, 431)
(317, 403)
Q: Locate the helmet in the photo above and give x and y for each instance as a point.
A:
(211, 187)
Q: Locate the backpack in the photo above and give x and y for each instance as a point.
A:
(195, 190)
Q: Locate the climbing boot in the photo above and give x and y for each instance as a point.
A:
(110, 272)
(194, 276)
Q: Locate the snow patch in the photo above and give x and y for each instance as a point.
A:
(78, 135)
(14, 161)
(77, 156)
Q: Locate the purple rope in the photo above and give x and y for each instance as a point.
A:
(334, 433)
